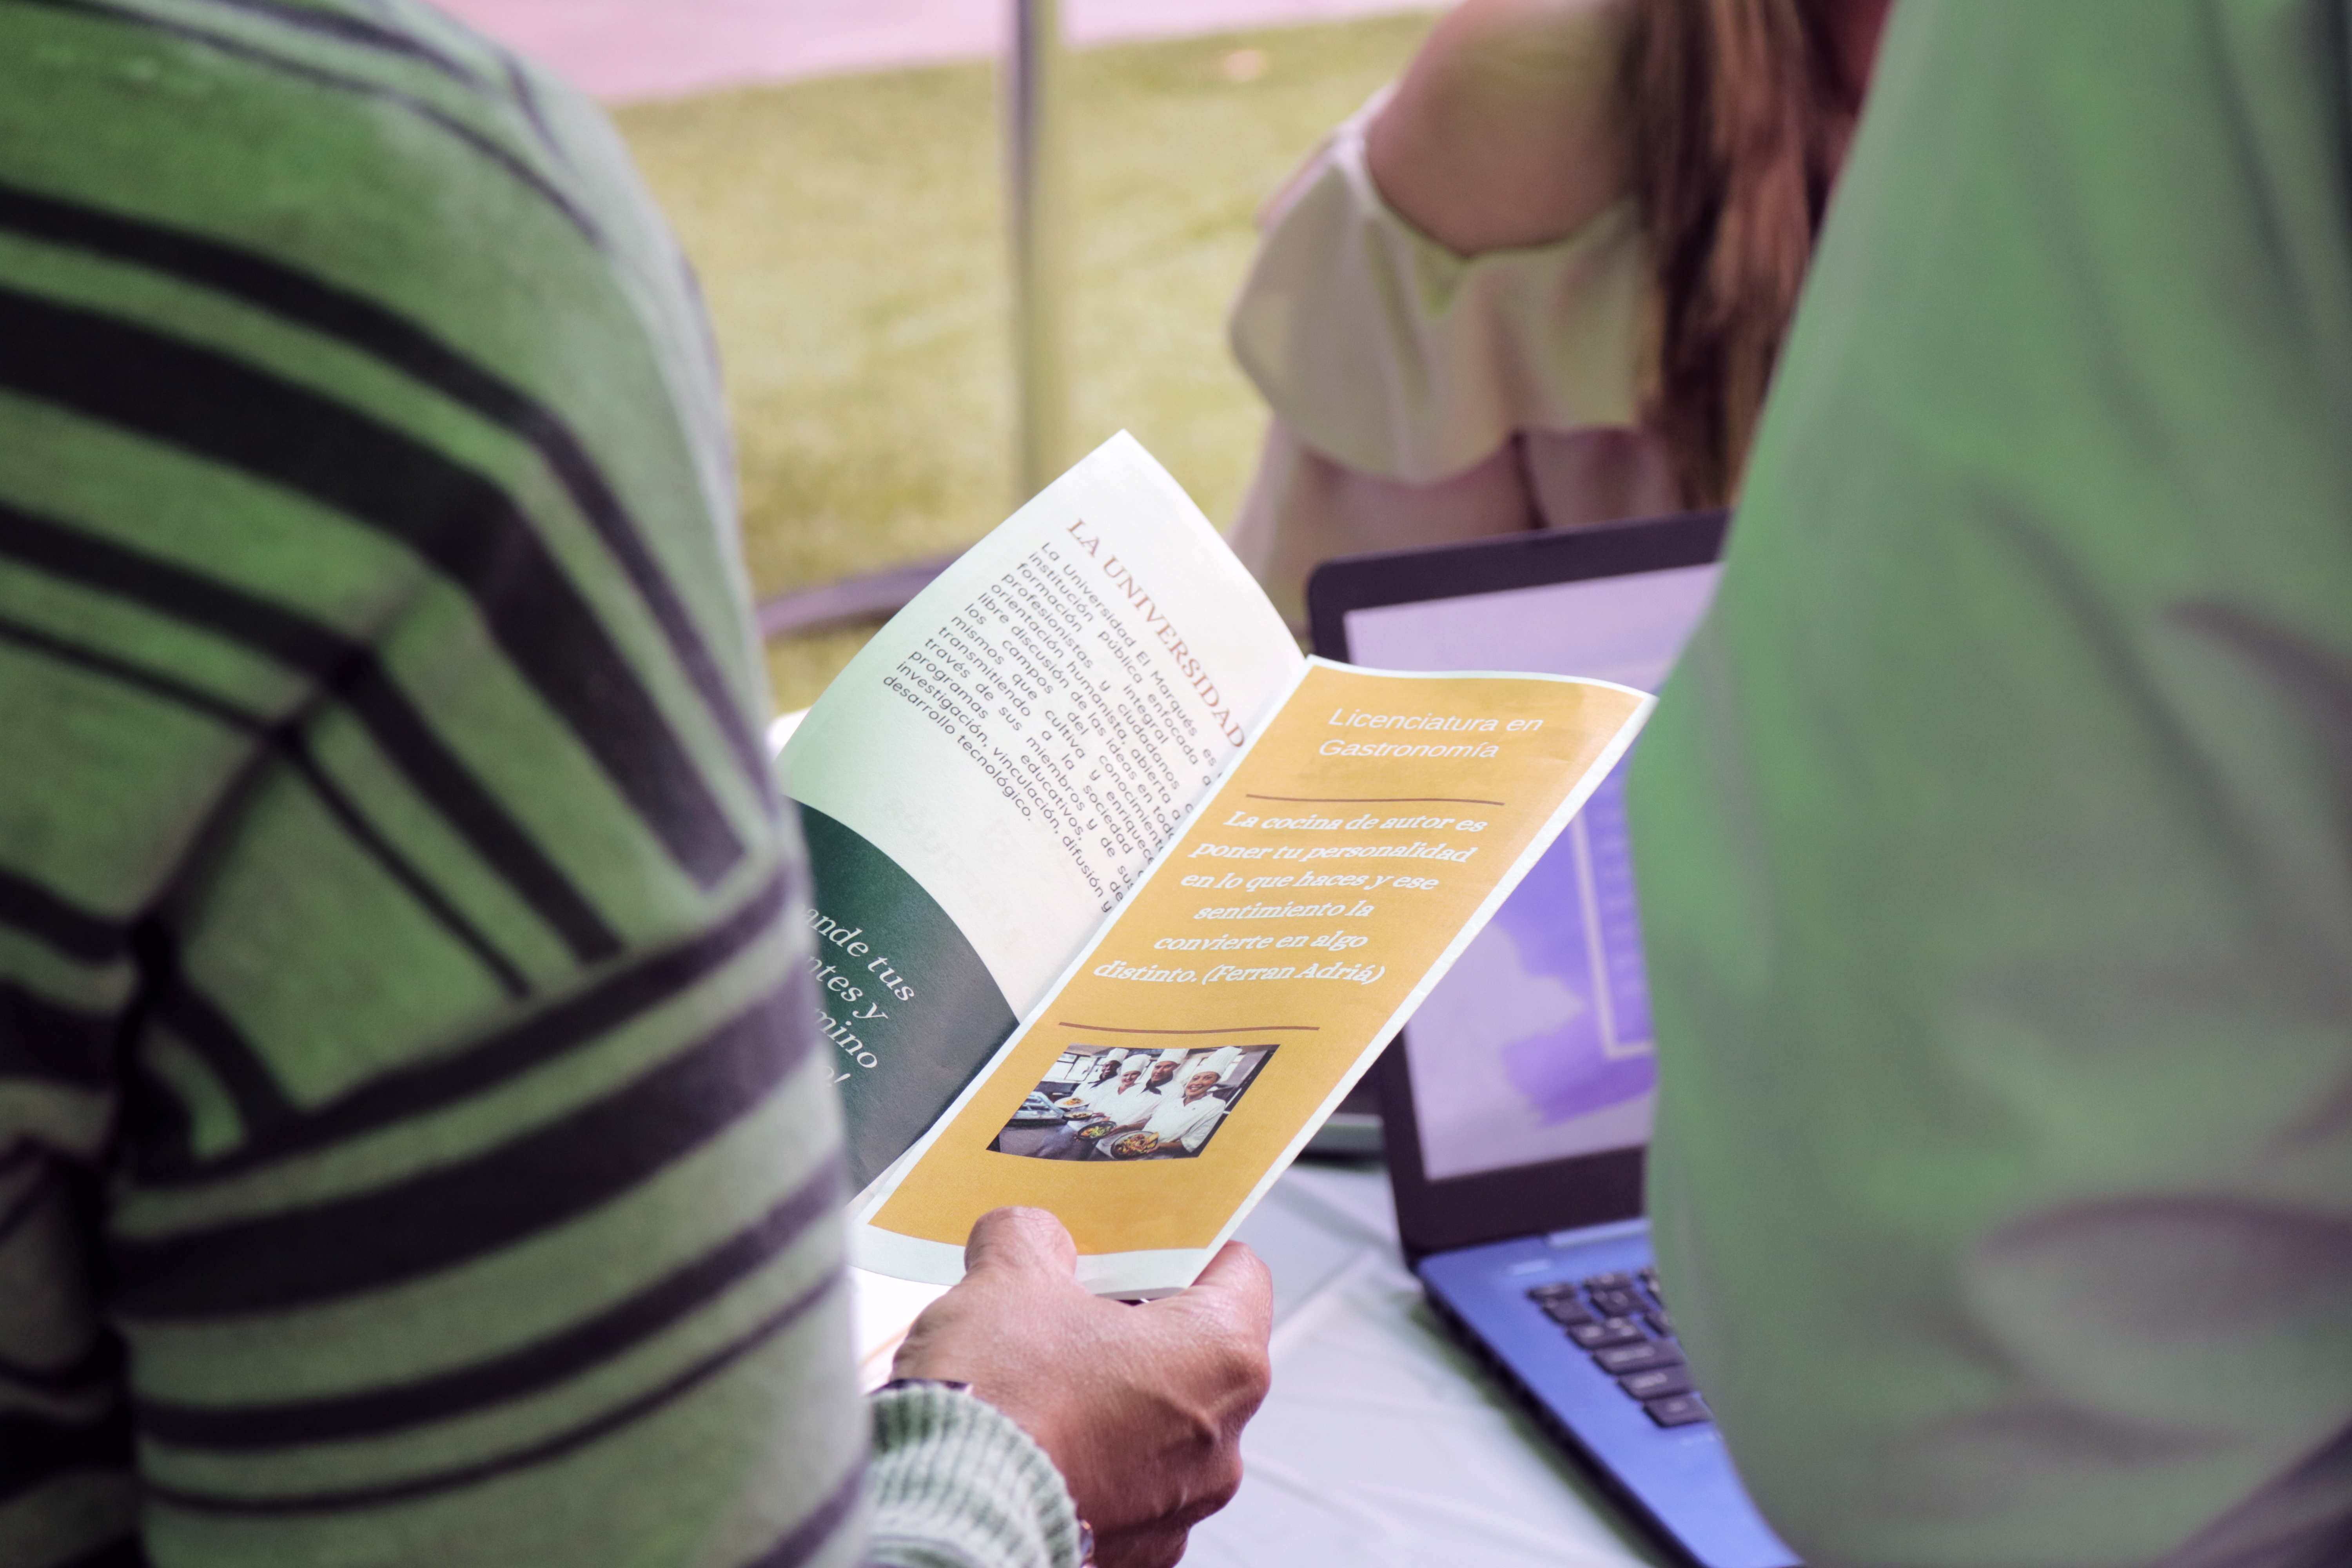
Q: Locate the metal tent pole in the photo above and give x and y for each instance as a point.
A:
(1038, 205)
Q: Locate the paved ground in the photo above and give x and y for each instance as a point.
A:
(629, 50)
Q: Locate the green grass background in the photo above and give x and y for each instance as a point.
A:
(848, 233)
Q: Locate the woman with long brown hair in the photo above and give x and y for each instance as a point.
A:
(1542, 280)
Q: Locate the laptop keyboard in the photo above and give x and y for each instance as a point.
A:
(1621, 1320)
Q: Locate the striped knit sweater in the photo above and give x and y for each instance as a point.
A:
(411, 1149)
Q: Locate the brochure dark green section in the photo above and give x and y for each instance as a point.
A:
(908, 1010)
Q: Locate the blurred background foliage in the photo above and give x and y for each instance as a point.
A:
(848, 233)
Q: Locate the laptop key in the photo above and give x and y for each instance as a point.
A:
(1566, 1311)
(1679, 1410)
(1657, 1383)
(1610, 1282)
(1619, 1303)
(1660, 1324)
(1606, 1332)
(1618, 1360)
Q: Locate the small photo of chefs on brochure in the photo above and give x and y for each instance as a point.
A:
(1114, 1102)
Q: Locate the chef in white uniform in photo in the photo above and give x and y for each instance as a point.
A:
(1162, 1078)
(1187, 1120)
(1105, 1084)
(1133, 1101)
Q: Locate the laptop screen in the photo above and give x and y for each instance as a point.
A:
(1536, 1047)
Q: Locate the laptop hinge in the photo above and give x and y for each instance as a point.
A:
(1585, 1233)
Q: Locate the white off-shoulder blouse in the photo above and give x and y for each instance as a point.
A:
(1384, 351)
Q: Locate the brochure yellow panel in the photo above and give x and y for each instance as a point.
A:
(1246, 980)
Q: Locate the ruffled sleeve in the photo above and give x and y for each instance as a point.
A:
(1386, 351)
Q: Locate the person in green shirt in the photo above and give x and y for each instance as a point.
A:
(415, 1144)
(1995, 832)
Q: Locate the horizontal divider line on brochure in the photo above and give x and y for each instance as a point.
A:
(1244, 1029)
(1375, 799)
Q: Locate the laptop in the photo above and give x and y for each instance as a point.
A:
(1516, 1106)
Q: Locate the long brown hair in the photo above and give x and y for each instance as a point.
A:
(1739, 110)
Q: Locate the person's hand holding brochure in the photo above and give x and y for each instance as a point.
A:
(1140, 1408)
(1095, 713)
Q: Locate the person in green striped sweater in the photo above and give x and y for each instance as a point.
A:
(411, 1146)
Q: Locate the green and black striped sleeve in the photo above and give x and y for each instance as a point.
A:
(412, 1149)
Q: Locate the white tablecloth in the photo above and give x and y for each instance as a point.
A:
(1381, 1446)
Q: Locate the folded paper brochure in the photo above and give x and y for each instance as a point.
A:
(1116, 895)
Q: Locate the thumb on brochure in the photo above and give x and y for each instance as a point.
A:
(1018, 1241)
(1234, 1289)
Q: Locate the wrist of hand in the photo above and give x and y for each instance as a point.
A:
(948, 1470)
